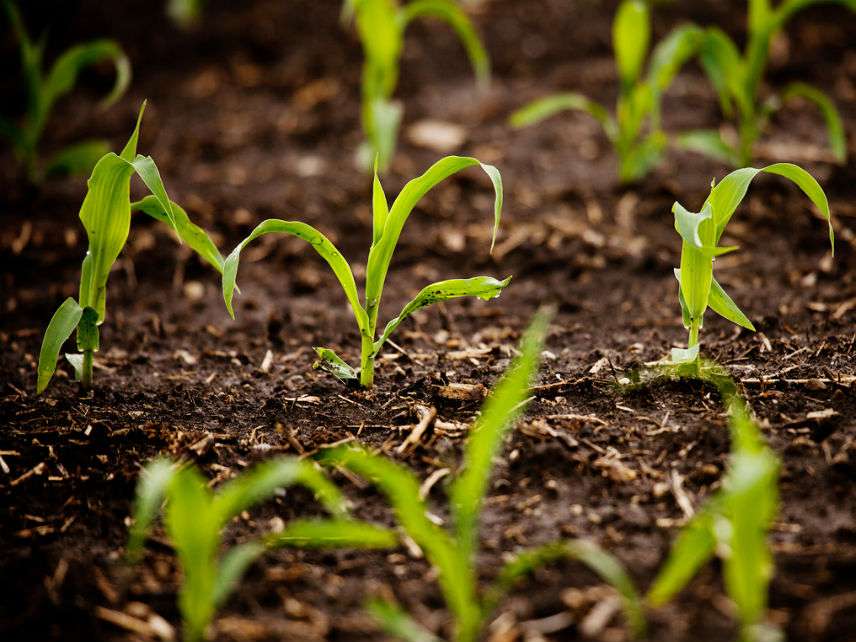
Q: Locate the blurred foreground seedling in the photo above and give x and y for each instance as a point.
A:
(195, 518)
(733, 524)
(453, 552)
(106, 217)
(700, 233)
(635, 131)
(387, 223)
(45, 88)
(738, 80)
(381, 25)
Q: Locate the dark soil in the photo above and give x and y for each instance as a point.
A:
(255, 114)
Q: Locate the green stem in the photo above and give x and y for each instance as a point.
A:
(367, 362)
(694, 328)
(86, 369)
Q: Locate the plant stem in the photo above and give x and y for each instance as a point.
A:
(367, 362)
(86, 369)
(694, 328)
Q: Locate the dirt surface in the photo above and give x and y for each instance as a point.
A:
(255, 114)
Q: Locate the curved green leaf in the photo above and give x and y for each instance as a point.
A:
(694, 546)
(498, 414)
(483, 287)
(380, 207)
(721, 303)
(196, 238)
(586, 552)
(709, 142)
(333, 533)
(723, 65)
(631, 36)
(834, 126)
(320, 243)
(151, 488)
(232, 567)
(542, 108)
(63, 74)
(78, 158)
(331, 362)
(62, 324)
(398, 623)
(381, 252)
(728, 194)
(452, 14)
(266, 478)
(401, 488)
(671, 53)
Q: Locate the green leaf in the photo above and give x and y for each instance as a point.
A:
(694, 546)
(591, 555)
(331, 362)
(397, 623)
(151, 488)
(696, 229)
(709, 142)
(456, 575)
(63, 74)
(333, 533)
(670, 54)
(685, 313)
(381, 252)
(834, 126)
(721, 303)
(231, 569)
(146, 169)
(729, 193)
(195, 534)
(76, 361)
(265, 479)
(320, 243)
(483, 287)
(87, 331)
(451, 13)
(79, 158)
(642, 157)
(498, 414)
(386, 119)
(721, 61)
(380, 207)
(631, 35)
(195, 237)
(543, 108)
(62, 324)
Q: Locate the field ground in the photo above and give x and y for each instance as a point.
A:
(255, 115)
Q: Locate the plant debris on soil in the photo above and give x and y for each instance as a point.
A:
(255, 114)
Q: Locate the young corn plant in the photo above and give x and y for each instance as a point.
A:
(45, 88)
(733, 525)
(453, 552)
(381, 25)
(388, 223)
(195, 518)
(635, 131)
(700, 233)
(738, 78)
(106, 217)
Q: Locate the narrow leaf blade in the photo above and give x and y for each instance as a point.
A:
(60, 327)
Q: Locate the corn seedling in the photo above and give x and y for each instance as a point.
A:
(45, 88)
(733, 524)
(106, 217)
(635, 130)
(195, 518)
(738, 78)
(381, 25)
(388, 223)
(453, 552)
(700, 234)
